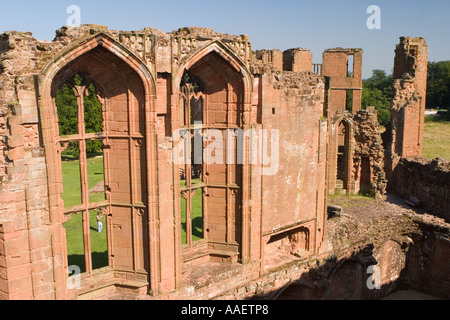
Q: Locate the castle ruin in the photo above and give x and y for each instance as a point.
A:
(260, 223)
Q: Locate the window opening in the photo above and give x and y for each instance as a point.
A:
(80, 120)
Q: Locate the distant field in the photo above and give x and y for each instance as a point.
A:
(437, 140)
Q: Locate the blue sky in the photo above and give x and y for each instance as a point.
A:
(282, 24)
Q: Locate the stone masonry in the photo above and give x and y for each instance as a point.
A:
(263, 207)
(138, 76)
(408, 105)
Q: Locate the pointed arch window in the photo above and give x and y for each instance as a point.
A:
(80, 109)
(192, 98)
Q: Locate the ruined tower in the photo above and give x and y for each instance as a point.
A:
(404, 138)
(344, 68)
(408, 106)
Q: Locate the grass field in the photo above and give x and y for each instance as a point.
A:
(436, 140)
(74, 227)
(196, 215)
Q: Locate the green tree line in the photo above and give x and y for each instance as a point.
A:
(438, 88)
(378, 91)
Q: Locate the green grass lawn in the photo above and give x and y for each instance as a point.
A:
(74, 227)
(196, 215)
(437, 140)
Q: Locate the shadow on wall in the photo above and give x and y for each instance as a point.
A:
(354, 277)
(426, 182)
(351, 278)
(99, 260)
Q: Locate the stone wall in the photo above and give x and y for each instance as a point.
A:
(293, 104)
(428, 260)
(358, 137)
(426, 180)
(404, 135)
(297, 60)
(24, 215)
(343, 81)
(374, 251)
(138, 76)
(369, 154)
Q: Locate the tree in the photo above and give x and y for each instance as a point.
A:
(66, 103)
(438, 88)
(93, 119)
(378, 93)
(67, 110)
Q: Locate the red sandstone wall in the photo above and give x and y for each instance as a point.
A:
(32, 246)
(297, 60)
(294, 194)
(408, 105)
(335, 66)
(428, 262)
(428, 181)
(27, 267)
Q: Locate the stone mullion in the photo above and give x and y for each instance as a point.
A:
(320, 224)
(131, 156)
(175, 124)
(204, 169)
(244, 200)
(188, 217)
(107, 175)
(84, 179)
(188, 169)
(227, 168)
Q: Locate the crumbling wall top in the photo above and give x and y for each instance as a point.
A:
(206, 33)
(411, 55)
(305, 82)
(420, 40)
(298, 49)
(345, 50)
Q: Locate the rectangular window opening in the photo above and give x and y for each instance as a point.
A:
(350, 66)
(93, 117)
(98, 236)
(71, 174)
(197, 158)
(183, 212)
(349, 101)
(67, 109)
(95, 171)
(75, 242)
(197, 215)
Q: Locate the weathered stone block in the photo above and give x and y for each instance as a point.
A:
(14, 141)
(16, 153)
